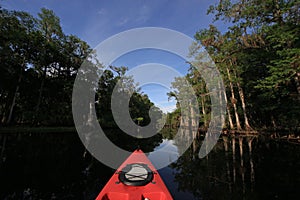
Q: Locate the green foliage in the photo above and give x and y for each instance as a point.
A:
(139, 104)
(39, 63)
(265, 56)
(258, 57)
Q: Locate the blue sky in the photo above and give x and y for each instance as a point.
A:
(95, 20)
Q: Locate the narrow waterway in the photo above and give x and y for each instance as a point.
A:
(56, 166)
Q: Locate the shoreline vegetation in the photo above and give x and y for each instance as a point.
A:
(272, 133)
(257, 57)
(28, 129)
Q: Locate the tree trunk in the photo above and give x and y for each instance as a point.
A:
(204, 112)
(228, 112)
(242, 97)
(194, 122)
(273, 122)
(234, 101)
(297, 80)
(225, 142)
(13, 103)
(37, 109)
(222, 112)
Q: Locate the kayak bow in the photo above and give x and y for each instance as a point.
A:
(135, 179)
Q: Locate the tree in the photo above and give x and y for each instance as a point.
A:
(18, 30)
(49, 26)
(38, 68)
(260, 51)
(139, 104)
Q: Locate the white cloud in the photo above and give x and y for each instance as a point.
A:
(167, 109)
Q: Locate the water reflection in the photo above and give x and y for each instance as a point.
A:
(165, 153)
(52, 166)
(56, 165)
(240, 173)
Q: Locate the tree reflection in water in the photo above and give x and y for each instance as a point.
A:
(51, 166)
(259, 168)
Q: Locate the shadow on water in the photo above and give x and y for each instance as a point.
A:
(46, 166)
(55, 166)
(241, 167)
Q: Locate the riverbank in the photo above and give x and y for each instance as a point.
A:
(280, 132)
(27, 129)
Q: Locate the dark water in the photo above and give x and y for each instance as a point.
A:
(55, 166)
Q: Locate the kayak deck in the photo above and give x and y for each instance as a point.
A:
(135, 179)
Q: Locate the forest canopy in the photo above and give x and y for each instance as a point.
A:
(258, 57)
(39, 63)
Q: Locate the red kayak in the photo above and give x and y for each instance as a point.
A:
(135, 179)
